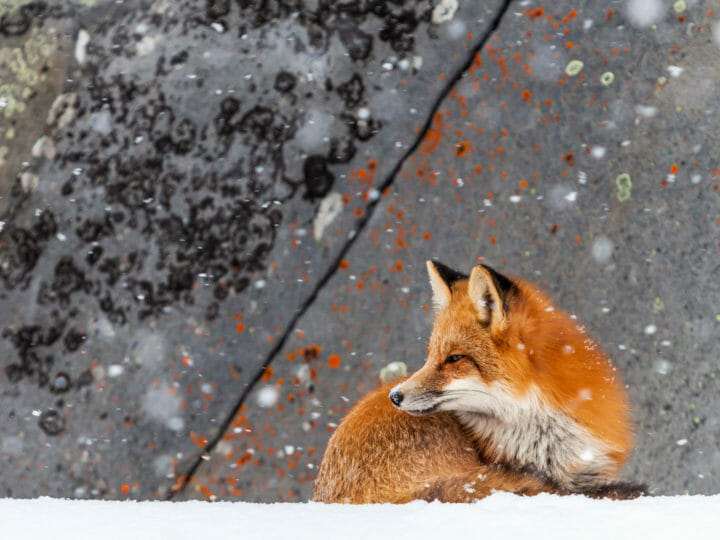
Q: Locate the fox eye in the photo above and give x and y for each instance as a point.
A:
(454, 358)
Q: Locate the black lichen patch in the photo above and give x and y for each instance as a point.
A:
(352, 92)
(52, 423)
(171, 180)
(364, 129)
(358, 43)
(18, 21)
(399, 19)
(318, 179)
(399, 29)
(341, 151)
(74, 339)
(22, 249)
(285, 82)
(217, 8)
(32, 364)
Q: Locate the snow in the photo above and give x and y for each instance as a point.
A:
(647, 112)
(456, 29)
(602, 249)
(115, 370)
(267, 396)
(645, 13)
(162, 404)
(499, 516)
(560, 196)
(313, 134)
(101, 122)
(146, 45)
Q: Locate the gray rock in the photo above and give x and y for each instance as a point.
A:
(181, 223)
(523, 170)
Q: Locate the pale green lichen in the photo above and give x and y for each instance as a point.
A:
(21, 70)
(8, 6)
(624, 185)
(680, 6)
(607, 78)
(658, 304)
(393, 371)
(574, 67)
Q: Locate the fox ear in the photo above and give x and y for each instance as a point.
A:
(440, 289)
(441, 280)
(490, 292)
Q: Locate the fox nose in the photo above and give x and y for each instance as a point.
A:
(396, 397)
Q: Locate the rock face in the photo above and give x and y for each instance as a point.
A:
(215, 219)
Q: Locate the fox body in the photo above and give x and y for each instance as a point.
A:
(509, 381)
(379, 453)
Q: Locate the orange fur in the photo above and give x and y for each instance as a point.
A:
(380, 454)
(565, 363)
(510, 384)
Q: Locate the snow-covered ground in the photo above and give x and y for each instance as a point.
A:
(499, 516)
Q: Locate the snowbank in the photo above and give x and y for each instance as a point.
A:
(500, 516)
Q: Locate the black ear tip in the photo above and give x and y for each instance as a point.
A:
(447, 274)
(504, 285)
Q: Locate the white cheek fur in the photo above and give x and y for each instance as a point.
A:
(527, 431)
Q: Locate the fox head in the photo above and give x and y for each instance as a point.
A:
(515, 369)
(468, 350)
(499, 347)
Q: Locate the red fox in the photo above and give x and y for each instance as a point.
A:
(511, 386)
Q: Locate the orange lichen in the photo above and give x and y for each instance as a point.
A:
(206, 491)
(431, 141)
(333, 361)
(198, 440)
(462, 148)
(267, 374)
(536, 13)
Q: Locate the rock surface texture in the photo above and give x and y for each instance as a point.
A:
(215, 216)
